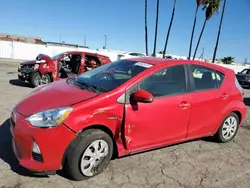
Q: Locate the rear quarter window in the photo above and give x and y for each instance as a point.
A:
(219, 77)
(206, 78)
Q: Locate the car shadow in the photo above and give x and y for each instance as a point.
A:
(6, 153)
(19, 83)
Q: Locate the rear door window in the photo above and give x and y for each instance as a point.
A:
(206, 78)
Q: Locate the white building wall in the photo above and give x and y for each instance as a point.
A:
(26, 51)
(236, 68)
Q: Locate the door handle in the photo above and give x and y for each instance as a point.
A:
(224, 96)
(184, 105)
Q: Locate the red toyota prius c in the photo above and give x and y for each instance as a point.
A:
(127, 106)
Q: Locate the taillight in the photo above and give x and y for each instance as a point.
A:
(239, 87)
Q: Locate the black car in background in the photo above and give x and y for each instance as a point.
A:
(243, 77)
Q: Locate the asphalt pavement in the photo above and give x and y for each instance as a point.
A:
(199, 163)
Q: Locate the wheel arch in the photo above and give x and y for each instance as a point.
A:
(95, 126)
(238, 114)
(50, 75)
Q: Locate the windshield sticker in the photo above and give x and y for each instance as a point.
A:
(146, 65)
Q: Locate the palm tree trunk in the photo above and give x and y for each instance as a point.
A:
(192, 35)
(198, 43)
(156, 27)
(146, 26)
(218, 37)
(169, 29)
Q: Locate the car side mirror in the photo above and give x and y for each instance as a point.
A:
(142, 96)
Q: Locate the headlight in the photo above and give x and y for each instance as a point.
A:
(36, 66)
(49, 118)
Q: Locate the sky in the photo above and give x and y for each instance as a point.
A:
(123, 23)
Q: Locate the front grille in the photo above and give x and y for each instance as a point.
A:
(37, 157)
(242, 78)
(26, 69)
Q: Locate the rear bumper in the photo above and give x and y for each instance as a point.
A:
(52, 144)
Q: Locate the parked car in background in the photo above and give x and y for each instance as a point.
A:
(243, 77)
(130, 55)
(127, 106)
(47, 69)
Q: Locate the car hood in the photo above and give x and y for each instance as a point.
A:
(54, 95)
(32, 62)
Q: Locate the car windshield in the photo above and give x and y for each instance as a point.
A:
(57, 56)
(245, 71)
(110, 76)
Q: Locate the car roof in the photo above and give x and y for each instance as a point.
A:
(158, 61)
(87, 53)
(151, 60)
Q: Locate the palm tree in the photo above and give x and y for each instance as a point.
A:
(211, 7)
(198, 3)
(218, 37)
(169, 29)
(156, 27)
(227, 60)
(146, 26)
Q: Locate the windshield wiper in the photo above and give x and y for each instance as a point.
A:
(84, 85)
(89, 86)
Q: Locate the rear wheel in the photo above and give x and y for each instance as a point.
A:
(89, 154)
(228, 128)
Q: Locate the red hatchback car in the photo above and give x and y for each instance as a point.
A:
(128, 106)
(46, 69)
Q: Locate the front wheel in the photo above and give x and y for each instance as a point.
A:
(89, 154)
(37, 79)
(228, 128)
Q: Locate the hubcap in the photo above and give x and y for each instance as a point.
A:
(41, 80)
(229, 127)
(93, 156)
(37, 80)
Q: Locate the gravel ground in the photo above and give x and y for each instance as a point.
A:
(200, 163)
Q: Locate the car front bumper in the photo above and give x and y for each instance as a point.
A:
(24, 74)
(52, 144)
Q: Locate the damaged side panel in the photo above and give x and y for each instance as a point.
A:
(110, 117)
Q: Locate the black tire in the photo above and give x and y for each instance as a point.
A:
(219, 135)
(47, 77)
(36, 79)
(77, 149)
